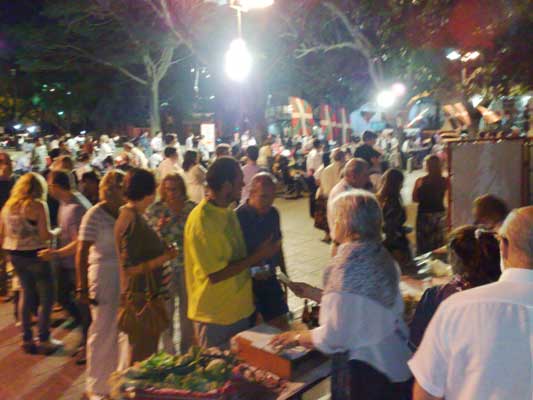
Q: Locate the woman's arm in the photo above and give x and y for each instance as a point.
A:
(416, 194)
(153, 263)
(122, 226)
(306, 291)
(43, 221)
(82, 268)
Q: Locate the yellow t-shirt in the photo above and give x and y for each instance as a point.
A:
(212, 239)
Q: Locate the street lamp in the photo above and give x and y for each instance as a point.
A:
(238, 58)
(454, 55)
(238, 61)
(386, 99)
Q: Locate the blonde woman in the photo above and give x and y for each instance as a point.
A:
(168, 216)
(98, 279)
(24, 231)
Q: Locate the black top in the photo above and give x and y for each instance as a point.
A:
(5, 189)
(258, 228)
(367, 153)
(431, 195)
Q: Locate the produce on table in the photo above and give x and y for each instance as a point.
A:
(199, 373)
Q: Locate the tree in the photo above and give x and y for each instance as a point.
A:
(122, 35)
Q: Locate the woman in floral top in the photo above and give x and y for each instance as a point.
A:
(168, 216)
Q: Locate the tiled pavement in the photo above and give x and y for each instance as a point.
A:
(58, 377)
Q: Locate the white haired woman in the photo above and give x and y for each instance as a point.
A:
(99, 285)
(361, 314)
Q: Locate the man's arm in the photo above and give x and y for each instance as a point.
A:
(267, 249)
(420, 394)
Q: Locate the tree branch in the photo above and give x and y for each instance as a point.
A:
(358, 42)
(88, 56)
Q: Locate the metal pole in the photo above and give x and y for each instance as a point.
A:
(239, 22)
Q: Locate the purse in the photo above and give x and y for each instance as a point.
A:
(143, 313)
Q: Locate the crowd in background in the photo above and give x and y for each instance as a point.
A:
(102, 231)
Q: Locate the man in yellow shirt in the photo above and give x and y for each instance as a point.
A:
(219, 285)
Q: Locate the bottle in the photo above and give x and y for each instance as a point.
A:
(306, 315)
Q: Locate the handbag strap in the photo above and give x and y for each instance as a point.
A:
(151, 287)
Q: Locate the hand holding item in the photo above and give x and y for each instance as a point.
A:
(171, 253)
(46, 254)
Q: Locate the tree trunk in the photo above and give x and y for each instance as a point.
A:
(155, 118)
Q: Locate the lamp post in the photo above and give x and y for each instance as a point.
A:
(239, 60)
(238, 57)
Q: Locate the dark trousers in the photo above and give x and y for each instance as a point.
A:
(37, 284)
(312, 187)
(370, 384)
(66, 288)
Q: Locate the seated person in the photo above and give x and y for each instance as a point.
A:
(475, 260)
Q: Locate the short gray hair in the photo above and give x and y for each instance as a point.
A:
(517, 229)
(356, 213)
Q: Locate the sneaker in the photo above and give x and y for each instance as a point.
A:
(29, 347)
(50, 346)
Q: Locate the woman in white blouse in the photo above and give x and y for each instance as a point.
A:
(361, 313)
(194, 175)
(99, 285)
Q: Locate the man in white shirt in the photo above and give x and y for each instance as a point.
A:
(330, 175)
(171, 140)
(157, 142)
(314, 158)
(313, 163)
(479, 345)
(249, 171)
(189, 142)
(355, 177)
(170, 164)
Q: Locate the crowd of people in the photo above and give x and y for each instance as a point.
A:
(133, 242)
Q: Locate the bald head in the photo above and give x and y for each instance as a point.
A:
(356, 173)
(516, 243)
(262, 179)
(262, 192)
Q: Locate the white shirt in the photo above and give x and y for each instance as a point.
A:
(314, 161)
(330, 176)
(166, 167)
(155, 160)
(479, 344)
(189, 143)
(157, 144)
(248, 171)
(370, 332)
(141, 158)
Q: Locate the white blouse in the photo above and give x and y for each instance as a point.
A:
(370, 332)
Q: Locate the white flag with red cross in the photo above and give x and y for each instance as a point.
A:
(302, 116)
(328, 121)
(342, 125)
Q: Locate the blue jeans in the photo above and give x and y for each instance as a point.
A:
(37, 282)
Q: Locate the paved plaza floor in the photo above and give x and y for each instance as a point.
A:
(58, 377)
